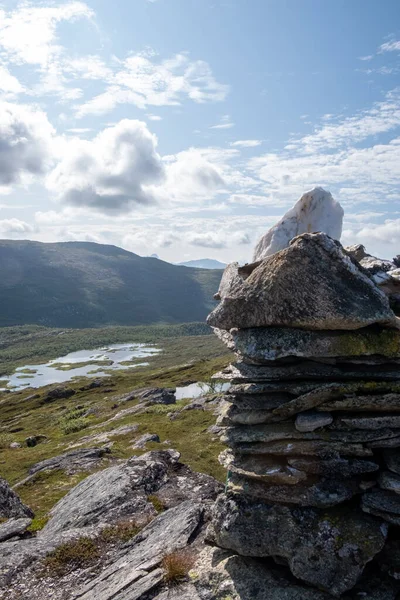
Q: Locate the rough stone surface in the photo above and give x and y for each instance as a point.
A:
(312, 420)
(138, 570)
(124, 489)
(222, 575)
(10, 503)
(73, 462)
(141, 442)
(13, 527)
(316, 210)
(273, 343)
(390, 481)
(328, 550)
(392, 459)
(334, 467)
(312, 284)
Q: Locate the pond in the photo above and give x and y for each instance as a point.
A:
(195, 390)
(84, 363)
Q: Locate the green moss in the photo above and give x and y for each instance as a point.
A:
(158, 504)
(37, 524)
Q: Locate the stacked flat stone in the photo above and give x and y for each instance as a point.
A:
(312, 418)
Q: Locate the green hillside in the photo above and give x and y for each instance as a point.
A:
(83, 284)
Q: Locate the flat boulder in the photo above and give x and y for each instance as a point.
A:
(312, 284)
(262, 345)
(316, 210)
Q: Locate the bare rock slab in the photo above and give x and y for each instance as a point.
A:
(312, 284)
(138, 570)
(122, 491)
(328, 550)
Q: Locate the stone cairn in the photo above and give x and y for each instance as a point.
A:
(312, 417)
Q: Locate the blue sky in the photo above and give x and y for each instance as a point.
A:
(186, 128)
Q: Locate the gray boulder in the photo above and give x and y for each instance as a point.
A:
(326, 550)
(11, 504)
(312, 284)
(13, 527)
(123, 490)
(73, 462)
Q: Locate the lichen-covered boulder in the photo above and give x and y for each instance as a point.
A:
(312, 284)
(328, 550)
(265, 344)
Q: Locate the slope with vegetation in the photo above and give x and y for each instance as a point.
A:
(83, 284)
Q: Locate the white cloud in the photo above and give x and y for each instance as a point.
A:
(367, 57)
(28, 34)
(380, 118)
(111, 173)
(191, 176)
(26, 139)
(14, 226)
(88, 67)
(144, 81)
(225, 123)
(246, 143)
(9, 85)
(392, 46)
(154, 118)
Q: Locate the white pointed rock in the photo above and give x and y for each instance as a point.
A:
(316, 211)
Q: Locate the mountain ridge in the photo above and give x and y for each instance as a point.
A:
(86, 284)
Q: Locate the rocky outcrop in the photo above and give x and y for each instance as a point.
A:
(124, 490)
(311, 419)
(13, 528)
(332, 291)
(11, 504)
(315, 211)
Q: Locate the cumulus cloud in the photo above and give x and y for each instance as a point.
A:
(26, 138)
(14, 226)
(28, 33)
(111, 173)
(191, 175)
(144, 81)
(218, 239)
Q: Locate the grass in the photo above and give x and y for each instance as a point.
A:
(5, 440)
(182, 361)
(70, 556)
(122, 531)
(177, 565)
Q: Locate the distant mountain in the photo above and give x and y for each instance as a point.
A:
(203, 263)
(83, 284)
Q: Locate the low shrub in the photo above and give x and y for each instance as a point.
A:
(69, 556)
(74, 425)
(177, 565)
(122, 531)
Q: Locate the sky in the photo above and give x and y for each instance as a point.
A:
(186, 128)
